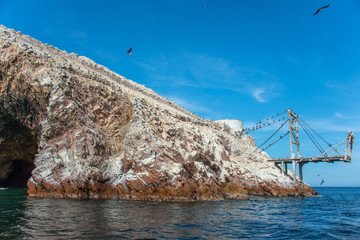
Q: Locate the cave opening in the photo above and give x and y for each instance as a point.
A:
(18, 147)
(19, 174)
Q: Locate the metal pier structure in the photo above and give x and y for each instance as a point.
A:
(330, 156)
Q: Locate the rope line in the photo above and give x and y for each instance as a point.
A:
(315, 132)
(330, 145)
(317, 145)
(281, 137)
(272, 135)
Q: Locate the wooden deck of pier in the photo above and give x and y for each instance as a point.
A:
(315, 160)
(282, 163)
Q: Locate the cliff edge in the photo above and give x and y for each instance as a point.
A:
(72, 128)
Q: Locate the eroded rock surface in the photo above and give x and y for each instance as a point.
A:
(91, 133)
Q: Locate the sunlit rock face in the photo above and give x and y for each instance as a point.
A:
(86, 132)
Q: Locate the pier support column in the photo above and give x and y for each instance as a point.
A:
(300, 170)
(282, 168)
(294, 171)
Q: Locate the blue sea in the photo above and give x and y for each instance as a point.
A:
(334, 215)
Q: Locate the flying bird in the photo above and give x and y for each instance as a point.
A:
(129, 51)
(321, 9)
(322, 181)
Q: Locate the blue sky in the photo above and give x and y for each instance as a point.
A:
(235, 59)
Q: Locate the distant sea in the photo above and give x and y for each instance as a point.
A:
(334, 215)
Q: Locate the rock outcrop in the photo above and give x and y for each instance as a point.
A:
(91, 133)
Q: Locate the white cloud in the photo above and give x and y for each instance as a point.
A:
(257, 93)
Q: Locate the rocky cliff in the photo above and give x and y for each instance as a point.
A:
(72, 128)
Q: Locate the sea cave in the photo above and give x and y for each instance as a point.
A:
(18, 148)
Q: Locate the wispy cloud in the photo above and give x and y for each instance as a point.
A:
(107, 55)
(75, 35)
(189, 105)
(257, 93)
(79, 35)
(331, 125)
(292, 60)
(350, 87)
(339, 115)
(203, 71)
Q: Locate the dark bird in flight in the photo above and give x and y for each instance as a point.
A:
(321, 9)
(129, 51)
(322, 181)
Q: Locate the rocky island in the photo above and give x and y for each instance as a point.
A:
(72, 128)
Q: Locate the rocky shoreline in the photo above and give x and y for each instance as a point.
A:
(91, 133)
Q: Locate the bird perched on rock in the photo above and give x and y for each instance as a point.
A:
(129, 51)
(321, 9)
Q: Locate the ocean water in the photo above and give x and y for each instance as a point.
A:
(335, 215)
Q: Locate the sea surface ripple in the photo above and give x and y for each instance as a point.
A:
(334, 215)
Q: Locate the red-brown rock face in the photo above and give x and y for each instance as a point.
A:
(92, 133)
